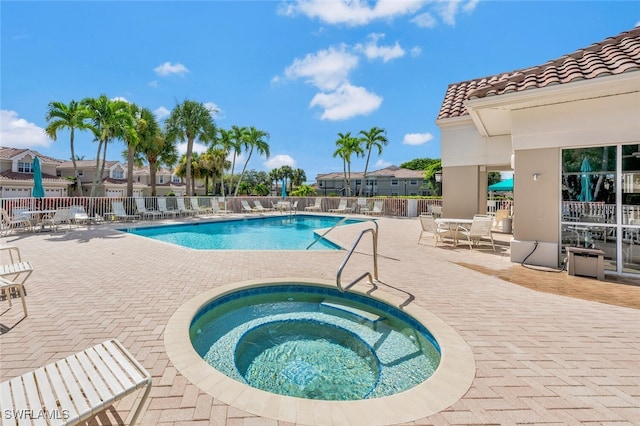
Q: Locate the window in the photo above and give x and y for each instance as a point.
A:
(118, 174)
(413, 182)
(320, 183)
(80, 173)
(161, 179)
(176, 179)
(394, 182)
(24, 167)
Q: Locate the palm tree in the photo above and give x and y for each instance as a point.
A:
(376, 137)
(237, 141)
(157, 150)
(254, 140)
(73, 116)
(347, 146)
(110, 119)
(298, 177)
(219, 164)
(189, 121)
(226, 143)
(146, 126)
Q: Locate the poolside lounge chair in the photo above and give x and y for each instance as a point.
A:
(342, 207)
(144, 212)
(246, 208)
(8, 287)
(362, 205)
(78, 386)
(60, 217)
(162, 208)
(378, 206)
(215, 207)
(14, 268)
(77, 214)
(195, 205)
(120, 213)
(430, 226)
(182, 208)
(316, 207)
(480, 229)
(9, 223)
(260, 208)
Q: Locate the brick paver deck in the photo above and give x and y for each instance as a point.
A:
(540, 357)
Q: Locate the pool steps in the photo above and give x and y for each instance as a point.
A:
(373, 318)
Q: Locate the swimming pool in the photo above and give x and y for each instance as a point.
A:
(286, 232)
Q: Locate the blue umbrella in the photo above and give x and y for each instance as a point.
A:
(585, 181)
(38, 189)
(284, 189)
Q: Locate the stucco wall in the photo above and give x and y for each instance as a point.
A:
(461, 195)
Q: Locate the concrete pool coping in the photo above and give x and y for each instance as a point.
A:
(448, 384)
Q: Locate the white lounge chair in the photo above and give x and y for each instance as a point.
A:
(8, 287)
(76, 388)
(342, 207)
(260, 208)
(377, 210)
(195, 205)
(120, 213)
(12, 267)
(222, 205)
(162, 208)
(78, 214)
(182, 208)
(316, 207)
(480, 229)
(144, 212)
(60, 217)
(246, 207)
(363, 206)
(13, 222)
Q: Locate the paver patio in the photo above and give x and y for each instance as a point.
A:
(540, 357)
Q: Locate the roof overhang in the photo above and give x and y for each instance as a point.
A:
(492, 115)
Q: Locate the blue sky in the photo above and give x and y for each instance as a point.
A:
(303, 71)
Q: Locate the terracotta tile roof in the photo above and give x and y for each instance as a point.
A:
(13, 176)
(391, 171)
(85, 164)
(612, 56)
(8, 153)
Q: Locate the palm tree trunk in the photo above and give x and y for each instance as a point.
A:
(235, 194)
(75, 165)
(152, 173)
(94, 187)
(131, 152)
(104, 161)
(188, 165)
(364, 175)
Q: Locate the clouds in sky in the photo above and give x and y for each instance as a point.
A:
(17, 132)
(279, 160)
(416, 138)
(168, 69)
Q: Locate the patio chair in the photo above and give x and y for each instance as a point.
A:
(182, 208)
(144, 212)
(246, 207)
(260, 208)
(378, 206)
(14, 268)
(77, 215)
(195, 205)
(9, 223)
(162, 208)
(60, 217)
(439, 232)
(316, 207)
(480, 229)
(363, 206)
(342, 207)
(222, 205)
(77, 387)
(8, 287)
(120, 213)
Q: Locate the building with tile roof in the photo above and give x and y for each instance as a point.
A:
(540, 122)
(390, 181)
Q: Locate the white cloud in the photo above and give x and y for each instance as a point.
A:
(449, 9)
(416, 51)
(168, 68)
(381, 164)
(351, 12)
(345, 102)
(325, 69)
(372, 51)
(215, 110)
(120, 98)
(153, 84)
(416, 138)
(19, 133)
(161, 112)
(279, 160)
(425, 20)
(197, 147)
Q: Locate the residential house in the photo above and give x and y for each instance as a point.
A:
(390, 181)
(570, 131)
(16, 174)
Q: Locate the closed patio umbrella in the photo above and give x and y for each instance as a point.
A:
(284, 189)
(585, 181)
(38, 188)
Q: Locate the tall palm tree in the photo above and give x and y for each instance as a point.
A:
(238, 141)
(298, 177)
(189, 121)
(219, 164)
(145, 126)
(226, 144)
(347, 146)
(376, 137)
(110, 119)
(275, 175)
(158, 151)
(254, 141)
(72, 116)
(286, 172)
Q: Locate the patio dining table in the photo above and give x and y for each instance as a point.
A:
(452, 224)
(37, 216)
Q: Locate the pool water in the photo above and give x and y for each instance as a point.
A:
(286, 232)
(314, 342)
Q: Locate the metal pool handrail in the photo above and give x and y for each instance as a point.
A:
(373, 278)
(319, 237)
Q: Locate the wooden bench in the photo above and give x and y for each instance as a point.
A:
(75, 388)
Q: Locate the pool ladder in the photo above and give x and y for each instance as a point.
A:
(373, 276)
